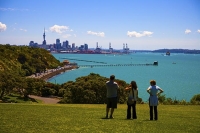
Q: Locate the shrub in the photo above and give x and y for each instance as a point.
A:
(161, 98)
(195, 99)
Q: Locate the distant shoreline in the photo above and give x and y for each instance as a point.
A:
(53, 72)
(183, 51)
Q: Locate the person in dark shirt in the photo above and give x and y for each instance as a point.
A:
(112, 88)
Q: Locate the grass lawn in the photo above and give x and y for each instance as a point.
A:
(63, 118)
(15, 98)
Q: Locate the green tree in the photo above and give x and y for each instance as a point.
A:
(7, 83)
(195, 99)
(90, 89)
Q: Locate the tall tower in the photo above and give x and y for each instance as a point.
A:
(44, 41)
(110, 48)
(97, 45)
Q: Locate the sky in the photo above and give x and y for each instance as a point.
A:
(141, 24)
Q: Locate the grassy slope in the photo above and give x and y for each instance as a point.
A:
(15, 98)
(32, 118)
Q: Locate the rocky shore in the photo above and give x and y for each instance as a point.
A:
(53, 72)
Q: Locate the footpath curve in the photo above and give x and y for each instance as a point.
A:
(46, 100)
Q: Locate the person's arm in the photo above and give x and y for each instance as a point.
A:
(160, 91)
(128, 88)
(148, 90)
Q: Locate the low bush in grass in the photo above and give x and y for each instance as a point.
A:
(169, 101)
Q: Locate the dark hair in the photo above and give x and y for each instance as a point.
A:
(134, 85)
(112, 77)
(153, 82)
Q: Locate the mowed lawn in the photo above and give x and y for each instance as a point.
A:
(64, 118)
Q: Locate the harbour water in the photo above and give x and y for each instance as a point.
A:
(178, 74)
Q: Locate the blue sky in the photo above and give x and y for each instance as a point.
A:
(142, 24)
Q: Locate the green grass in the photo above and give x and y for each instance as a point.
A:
(43, 118)
(15, 98)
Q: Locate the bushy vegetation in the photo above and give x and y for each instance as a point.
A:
(169, 101)
(90, 89)
(18, 62)
(195, 99)
(25, 61)
(11, 83)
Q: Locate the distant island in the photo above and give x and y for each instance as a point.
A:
(185, 51)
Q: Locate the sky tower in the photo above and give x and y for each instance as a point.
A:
(44, 41)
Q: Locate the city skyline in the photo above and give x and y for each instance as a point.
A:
(147, 25)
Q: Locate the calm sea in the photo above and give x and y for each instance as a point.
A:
(178, 74)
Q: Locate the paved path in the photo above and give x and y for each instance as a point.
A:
(45, 100)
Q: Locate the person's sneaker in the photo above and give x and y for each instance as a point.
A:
(111, 117)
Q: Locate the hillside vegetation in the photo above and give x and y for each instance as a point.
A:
(25, 61)
(18, 62)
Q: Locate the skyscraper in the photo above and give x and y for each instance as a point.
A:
(58, 44)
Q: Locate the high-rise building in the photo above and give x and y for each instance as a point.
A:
(31, 43)
(85, 47)
(58, 44)
(65, 44)
(73, 46)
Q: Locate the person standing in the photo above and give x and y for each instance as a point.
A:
(154, 91)
(133, 95)
(112, 88)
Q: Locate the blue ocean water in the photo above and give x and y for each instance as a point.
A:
(178, 74)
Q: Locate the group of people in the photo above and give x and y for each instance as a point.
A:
(112, 88)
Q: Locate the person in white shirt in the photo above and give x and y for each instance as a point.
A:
(154, 91)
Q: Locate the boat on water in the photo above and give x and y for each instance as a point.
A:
(168, 53)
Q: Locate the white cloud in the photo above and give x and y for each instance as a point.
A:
(23, 30)
(101, 34)
(7, 9)
(187, 31)
(66, 36)
(198, 31)
(2, 27)
(12, 9)
(58, 29)
(137, 34)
